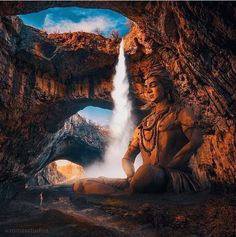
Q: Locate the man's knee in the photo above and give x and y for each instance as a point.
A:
(143, 170)
(148, 179)
(78, 186)
(142, 178)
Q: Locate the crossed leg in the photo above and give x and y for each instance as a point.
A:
(101, 185)
(148, 179)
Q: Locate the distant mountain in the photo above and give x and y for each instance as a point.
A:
(47, 176)
(79, 141)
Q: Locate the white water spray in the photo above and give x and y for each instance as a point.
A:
(121, 125)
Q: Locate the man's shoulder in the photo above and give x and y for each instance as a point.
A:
(186, 116)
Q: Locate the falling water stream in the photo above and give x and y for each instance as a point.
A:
(121, 125)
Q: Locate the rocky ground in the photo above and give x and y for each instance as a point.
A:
(65, 213)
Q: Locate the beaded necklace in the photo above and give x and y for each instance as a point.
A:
(153, 127)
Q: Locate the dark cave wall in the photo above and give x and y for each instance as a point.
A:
(216, 157)
(195, 41)
(44, 80)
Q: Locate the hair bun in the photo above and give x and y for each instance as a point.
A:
(157, 70)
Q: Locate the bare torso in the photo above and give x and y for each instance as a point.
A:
(167, 135)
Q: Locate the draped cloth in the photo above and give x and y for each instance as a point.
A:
(181, 181)
(178, 181)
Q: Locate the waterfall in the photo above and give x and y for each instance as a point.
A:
(121, 125)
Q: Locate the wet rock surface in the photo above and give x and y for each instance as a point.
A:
(63, 211)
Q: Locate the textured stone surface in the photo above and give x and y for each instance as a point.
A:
(78, 141)
(44, 80)
(195, 41)
(122, 216)
(47, 176)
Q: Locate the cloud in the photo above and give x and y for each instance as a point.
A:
(97, 115)
(90, 24)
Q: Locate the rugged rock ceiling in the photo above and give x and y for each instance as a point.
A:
(195, 41)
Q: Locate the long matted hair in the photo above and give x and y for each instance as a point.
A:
(163, 77)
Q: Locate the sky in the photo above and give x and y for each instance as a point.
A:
(71, 19)
(97, 115)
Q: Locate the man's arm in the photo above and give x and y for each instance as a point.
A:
(130, 155)
(194, 135)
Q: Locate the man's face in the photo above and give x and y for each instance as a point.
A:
(154, 90)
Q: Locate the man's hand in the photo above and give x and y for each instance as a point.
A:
(129, 179)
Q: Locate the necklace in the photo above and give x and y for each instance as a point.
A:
(152, 127)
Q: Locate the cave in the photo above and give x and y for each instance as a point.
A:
(57, 173)
(78, 144)
(46, 78)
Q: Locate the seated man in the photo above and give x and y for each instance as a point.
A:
(166, 138)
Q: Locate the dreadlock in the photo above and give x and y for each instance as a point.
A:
(163, 77)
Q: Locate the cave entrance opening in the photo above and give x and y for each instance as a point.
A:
(80, 143)
(104, 22)
(59, 172)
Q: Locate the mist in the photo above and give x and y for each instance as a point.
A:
(121, 126)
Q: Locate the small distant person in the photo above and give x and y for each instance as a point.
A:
(41, 200)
